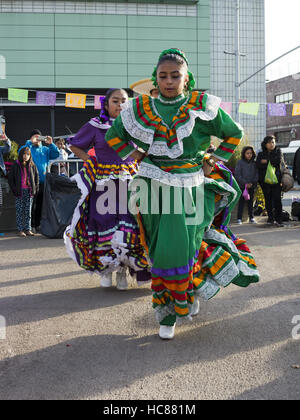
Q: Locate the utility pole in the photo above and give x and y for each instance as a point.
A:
(237, 55)
(237, 60)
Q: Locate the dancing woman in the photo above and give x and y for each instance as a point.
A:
(190, 248)
(103, 236)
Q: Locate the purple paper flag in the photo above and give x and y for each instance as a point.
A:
(277, 110)
(97, 102)
(45, 98)
(226, 106)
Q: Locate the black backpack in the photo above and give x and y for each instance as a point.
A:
(296, 209)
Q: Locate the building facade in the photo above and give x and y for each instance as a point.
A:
(223, 78)
(287, 91)
(90, 46)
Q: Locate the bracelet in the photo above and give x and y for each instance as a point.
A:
(209, 162)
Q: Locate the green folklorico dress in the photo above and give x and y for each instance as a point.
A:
(183, 215)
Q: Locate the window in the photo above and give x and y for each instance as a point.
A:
(284, 98)
(283, 138)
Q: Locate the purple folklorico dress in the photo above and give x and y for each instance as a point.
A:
(103, 236)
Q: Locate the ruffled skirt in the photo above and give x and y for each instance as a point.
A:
(103, 236)
(198, 259)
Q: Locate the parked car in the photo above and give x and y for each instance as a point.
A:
(289, 153)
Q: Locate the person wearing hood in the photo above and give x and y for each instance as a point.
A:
(41, 155)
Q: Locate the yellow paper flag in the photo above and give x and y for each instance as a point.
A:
(250, 108)
(75, 100)
(296, 110)
(18, 95)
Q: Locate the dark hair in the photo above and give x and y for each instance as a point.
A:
(104, 116)
(245, 150)
(175, 58)
(266, 140)
(21, 154)
(35, 131)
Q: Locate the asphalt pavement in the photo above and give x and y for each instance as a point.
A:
(65, 338)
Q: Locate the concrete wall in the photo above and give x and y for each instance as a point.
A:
(75, 50)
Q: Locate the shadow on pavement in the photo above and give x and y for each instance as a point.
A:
(101, 364)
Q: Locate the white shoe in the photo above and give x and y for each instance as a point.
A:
(195, 307)
(166, 332)
(106, 280)
(239, 221)
(121, 279)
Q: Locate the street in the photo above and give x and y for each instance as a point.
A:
(66, 338)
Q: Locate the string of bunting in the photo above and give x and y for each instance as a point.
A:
(72, 100)
(78, 100)
(252, 108)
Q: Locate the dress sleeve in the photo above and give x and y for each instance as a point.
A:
(231, 132)
(85, 137)
(118, 138)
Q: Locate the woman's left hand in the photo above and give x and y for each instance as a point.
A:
(207, 168)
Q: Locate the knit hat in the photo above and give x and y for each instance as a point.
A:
(35, 131)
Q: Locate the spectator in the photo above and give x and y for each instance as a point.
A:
(271, 154)
(296, 166)
(23, 180)
(3, 150)
(41, 155)
(61, 167)
(246, 174)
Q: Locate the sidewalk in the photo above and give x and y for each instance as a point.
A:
(68, 339)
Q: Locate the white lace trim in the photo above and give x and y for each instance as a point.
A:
(210, 113)
(146, 135)
(109, 177)
(228, 190)
(99, 125)
(185, 180)
(170, 102)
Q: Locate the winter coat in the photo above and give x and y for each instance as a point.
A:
(275, 157)
(41, 156)
(296, 166)
(246, 173)
(15, 178)
(3, 150)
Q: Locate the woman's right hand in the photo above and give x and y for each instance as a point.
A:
(137, 155)
(81, 154)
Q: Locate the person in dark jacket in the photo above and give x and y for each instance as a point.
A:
(41, 155)
(23, 180)
(272, 192)
(296, 166)
(246, 174)
(3, 150)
